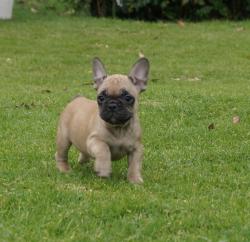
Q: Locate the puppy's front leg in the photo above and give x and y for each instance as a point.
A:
(101, 152)
(134, 164)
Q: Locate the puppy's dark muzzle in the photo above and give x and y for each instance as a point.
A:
(114, 114)
(112, 106)
(116, 110)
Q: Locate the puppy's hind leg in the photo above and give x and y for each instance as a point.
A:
(62, 147)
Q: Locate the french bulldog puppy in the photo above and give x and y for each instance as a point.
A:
(109, 128)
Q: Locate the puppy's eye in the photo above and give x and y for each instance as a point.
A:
(100, 98)
(124, 93)
(129, 99)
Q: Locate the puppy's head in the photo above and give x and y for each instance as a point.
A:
(117, 95)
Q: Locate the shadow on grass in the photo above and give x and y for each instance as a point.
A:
(85, 173)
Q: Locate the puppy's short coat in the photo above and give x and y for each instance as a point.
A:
(106, 129)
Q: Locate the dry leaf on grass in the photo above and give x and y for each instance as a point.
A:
(211, 126)
(154, 80)
(194, 79)
(33, 10)
(46, 91)
(25, 105)
(239, 29)
(140, 54)
(236, 119)
(181, 23)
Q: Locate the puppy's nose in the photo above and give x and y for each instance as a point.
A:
(112, 106)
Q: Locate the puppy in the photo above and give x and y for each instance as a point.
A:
(108, 129)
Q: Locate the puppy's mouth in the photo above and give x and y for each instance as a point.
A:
(116, 119)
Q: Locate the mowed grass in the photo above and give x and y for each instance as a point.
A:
(196, 180)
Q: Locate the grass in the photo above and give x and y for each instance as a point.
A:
(197, 181)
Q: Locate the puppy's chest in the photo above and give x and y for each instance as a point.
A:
(119, 147)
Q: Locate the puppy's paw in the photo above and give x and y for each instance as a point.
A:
(135, 179)
(103, 173)
(63, 166)
(102, 170)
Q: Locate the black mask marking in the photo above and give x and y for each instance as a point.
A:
(116, 109)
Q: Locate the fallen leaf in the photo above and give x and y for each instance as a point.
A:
(194, 79)
(239, 29)
(141, 55)
(181, 23)
(20, 105)
(46, 91)
(33, 10)
(27, 106)
(211, 126)
(69, 12)
(23, 105)
(236, 119)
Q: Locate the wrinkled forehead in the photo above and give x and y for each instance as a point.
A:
(115, 84)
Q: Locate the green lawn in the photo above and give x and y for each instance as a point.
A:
(196, 180)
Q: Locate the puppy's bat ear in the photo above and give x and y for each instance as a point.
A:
(139, 74)
(99, 72)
